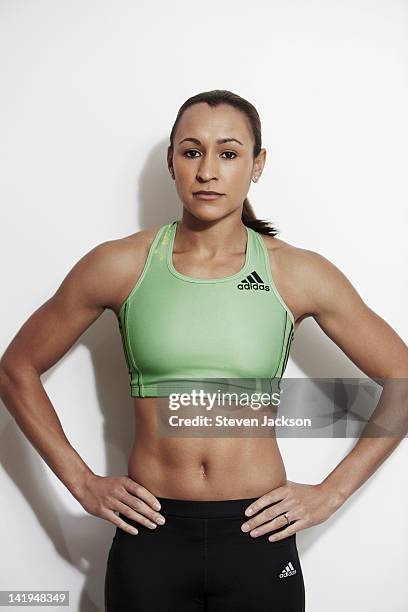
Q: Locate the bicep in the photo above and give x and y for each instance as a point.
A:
(55, 326)
(365, 337)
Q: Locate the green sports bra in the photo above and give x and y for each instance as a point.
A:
(181, 333)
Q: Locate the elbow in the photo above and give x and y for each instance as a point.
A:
(3, 375)
(13, 374)
(4, 382)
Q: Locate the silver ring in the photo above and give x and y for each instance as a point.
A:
(286, 517)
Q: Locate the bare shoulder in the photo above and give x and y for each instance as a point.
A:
(303, 277)
(117, 264)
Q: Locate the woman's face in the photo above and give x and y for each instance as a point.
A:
(201, 163)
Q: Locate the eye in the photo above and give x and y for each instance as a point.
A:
(190, 151)
(195, 151)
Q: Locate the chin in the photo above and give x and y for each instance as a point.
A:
(208, 212)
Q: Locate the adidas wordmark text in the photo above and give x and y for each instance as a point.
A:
(253, 281)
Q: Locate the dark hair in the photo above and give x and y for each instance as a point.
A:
(223, 96)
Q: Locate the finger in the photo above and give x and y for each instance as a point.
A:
(139, 491)
(290, 530)
(269, 514)
(135, 516)
(138, 505)
(269, 498)
(116, 520)
(276, 509)
(277, 522)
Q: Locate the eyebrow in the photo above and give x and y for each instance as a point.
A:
(219, 141)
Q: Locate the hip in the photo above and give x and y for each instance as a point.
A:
(203, 553)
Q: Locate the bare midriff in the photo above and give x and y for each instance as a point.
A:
(201, 468)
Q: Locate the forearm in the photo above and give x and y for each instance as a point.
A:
(27, 401)
(387, 426)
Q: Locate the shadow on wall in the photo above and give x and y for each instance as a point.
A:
(82, 540)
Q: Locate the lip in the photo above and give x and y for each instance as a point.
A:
(207, 191)
(207, 195)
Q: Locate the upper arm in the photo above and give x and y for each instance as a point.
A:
(55, 326)
(367, 339)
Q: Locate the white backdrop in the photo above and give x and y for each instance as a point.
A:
(90, 91)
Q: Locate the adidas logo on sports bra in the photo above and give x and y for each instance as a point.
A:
(253, 281)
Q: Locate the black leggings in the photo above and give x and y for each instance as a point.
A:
(200, 560)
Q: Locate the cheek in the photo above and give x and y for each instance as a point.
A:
(185, 173)
(237, 176)
(240, 167)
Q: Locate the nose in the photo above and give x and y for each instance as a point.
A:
(207, 170)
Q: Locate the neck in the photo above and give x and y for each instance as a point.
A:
(211, 237)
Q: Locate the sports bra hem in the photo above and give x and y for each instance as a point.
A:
(155, 390)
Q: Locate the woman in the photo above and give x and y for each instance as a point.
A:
(185, 536)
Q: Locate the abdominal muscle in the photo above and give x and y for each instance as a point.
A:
(201, 468)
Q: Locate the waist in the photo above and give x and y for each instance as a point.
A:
(205, 508)
(204, 469)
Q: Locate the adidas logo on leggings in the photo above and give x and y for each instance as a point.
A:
(253, 281)
(288, 571)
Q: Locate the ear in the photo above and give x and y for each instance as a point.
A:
(170, 162)
(259, 163)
